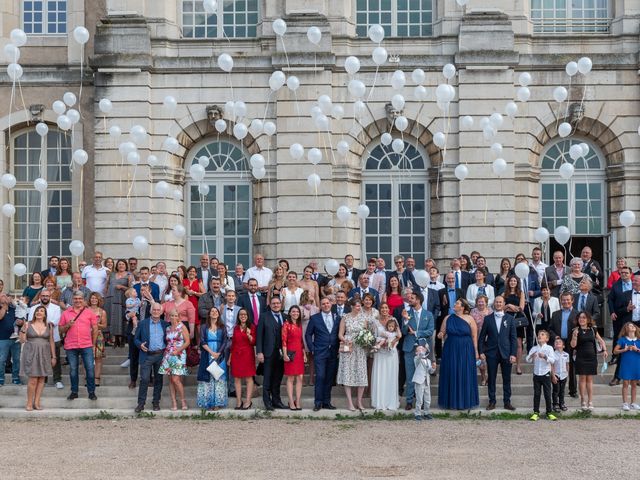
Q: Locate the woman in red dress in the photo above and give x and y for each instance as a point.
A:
(194, 288)
(294, 355)
(243, 358)
(393, 295)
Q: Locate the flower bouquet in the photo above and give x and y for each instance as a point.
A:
(365, 339)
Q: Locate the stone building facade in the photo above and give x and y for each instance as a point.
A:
(140, 52)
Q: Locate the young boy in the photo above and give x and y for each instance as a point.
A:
(543, 358)
(422, 381)
(22, 311)
(132, 306)
(559, 375)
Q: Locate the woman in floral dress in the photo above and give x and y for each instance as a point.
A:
(352, 367)
(174, 363)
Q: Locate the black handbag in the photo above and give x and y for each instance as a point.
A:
(521, 321)
(291, 354)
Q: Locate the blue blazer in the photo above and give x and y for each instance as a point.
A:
(322, 342)
(205, 358)
(490, 342)
(143, 335)
(372, 291)
(155, 291)
(425, 330)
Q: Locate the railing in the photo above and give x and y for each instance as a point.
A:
(571, 26)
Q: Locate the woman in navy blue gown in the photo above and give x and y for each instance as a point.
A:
(458, 386)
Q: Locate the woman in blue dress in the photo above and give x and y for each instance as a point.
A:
(628, 347)
(458, 386)
(212, 393)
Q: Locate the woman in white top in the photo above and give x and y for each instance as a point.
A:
(291, 293)
(480, 288)
(543, 308)
(226, 282)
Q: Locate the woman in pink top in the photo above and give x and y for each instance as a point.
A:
(183, 306)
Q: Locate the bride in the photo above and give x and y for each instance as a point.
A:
(384, 381)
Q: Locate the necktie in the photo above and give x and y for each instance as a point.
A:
(328, 321)
(457, 279)
(278, 319)
(582, 302)
(254, 304)
(339, 310)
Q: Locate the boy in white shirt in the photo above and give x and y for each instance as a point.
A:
(559, 375)
(422, 381)
(543, 358)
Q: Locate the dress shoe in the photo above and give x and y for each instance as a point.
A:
(491, 406)
(508, 406)
(613, 360)
(156, 407)
(408, 407)
(316, 407)
(92, 396)
(132, 385)
(72, 396)
(573, 395)
(280, 406)
(614, 382)
(328, 406)
(139, 408)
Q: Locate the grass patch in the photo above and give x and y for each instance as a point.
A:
(146, 415)
(102, 415)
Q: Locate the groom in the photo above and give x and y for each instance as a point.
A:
(497, 345)
(322, 340)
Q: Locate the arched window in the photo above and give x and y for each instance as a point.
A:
(579, 202)
(220, 221)
(396, 190)
(42, 225)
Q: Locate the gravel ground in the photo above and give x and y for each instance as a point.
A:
(289, 449)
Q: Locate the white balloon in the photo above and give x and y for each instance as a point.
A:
(585, 149)
(564, 129)
(293, 83)
(40, 184)
(138, 134)
(523, 94)
(584, 65)
(560, 94)
(210, 6)
(105, 105)
(64, 122)
(256, 127)
(496, 149)
(15, 71)
(81, 35)
(8, 210)
(397, 145)
(337, 112)
(140, 243)
(359, 108)
(627, 218)
(343, 213)
(379, 55)
(522, 270)
(229, 108)
(171, 145)
(322, 122)
(575, 152)
(352, 65)
(259, 173)
(42, 129)
(402, 123)
(511, 109)
(76, 247)
(330, 266)
(524, 79)
(571, 68)
(240, 109)
(177, 195)
(566, 170)
(59, 107)
(314, 156)
(69, 98)
(279, 27)
(421, 277)
(240, 131)
(562, 234)
(169, 104)
(296, 151)
(314, 35)
(439, 139)
(343, 148)
(11, 53)
(225, 62)
(325, 104)
(449, 71)
(203, 189)
(73, 115)
(386, 139)
(80, 157)
(19, 269)
(315, 111)
(203, 161)
(8, 181)
(496, 120)
(397, 101)
(153, 161)
(276, 81)
(314, 180)
(179, 231)
(356, 88)
(221, 125)
(376, 33)
(162, 188)
(418, 76)
(461, 172)
(256, 161)
(445, 93)
(18, 37)
(484, 121)
(499, 166)
(269, 128)
(115, 131)
(197, 172)
(133, 158)
(466, 122)
(541, 235)
(398, 80)
(488, 132)
(362, 211)
(420, 93)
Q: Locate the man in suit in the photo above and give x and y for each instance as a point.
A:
(269, 350)
(320, 279)
(448, 296)
(52, 269)
(252, 301)
(405, 276)
(398, 314)
(562, 323)
(146, 302)
(145, 274)
(462, 278)
(212, 298)
(341, 306)
(555, 273)
(238, 276)
(150, 340)
(497, 345)
(229, 315)
(363, 289)
(352, 273)
(417, 323)
(204, 272)
(431, 303)
(481, 264)
(591, 267)
(322, 338)
(585, 301)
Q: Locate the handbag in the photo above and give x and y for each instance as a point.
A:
(291, 354)
(216, 370)
(346, 347)
(193, 357)
(521, 321)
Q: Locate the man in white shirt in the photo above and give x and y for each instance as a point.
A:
(434, 279)
(229, 313)
(537, 263)
(53, 317)
(261, 273)
(96, 275)
(160, 278)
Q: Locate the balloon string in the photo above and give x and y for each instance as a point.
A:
(284, 49)
(269, 177)
(81, 77)
(566, 113)
(264, 117)
(81, 195)
(373, 85)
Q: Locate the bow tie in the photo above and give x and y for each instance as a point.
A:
(231, 309)
(636, 293)
(499, 314)
(432, 283)
(452, 289)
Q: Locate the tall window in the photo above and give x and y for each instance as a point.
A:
(396, 190)
(399, 18)
(44, 17)
(234, 19)
(577, 203)
(570, 16)
(220, 222)
(42, 224)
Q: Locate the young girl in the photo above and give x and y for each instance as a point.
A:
(389, 337)
(132, 305)
(628, 347)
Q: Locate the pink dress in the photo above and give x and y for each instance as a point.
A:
(307, 311)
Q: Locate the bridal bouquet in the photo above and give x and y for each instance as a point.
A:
(365, 339)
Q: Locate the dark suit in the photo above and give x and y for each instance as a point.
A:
(345, 309)
(498, 346)
(269, 343)
(149, 361)
(372, 291)
(618, 302)
(206, 284)
(244, 301)
(155, 290)
(555, 330)
(591, 306)
(324, 346)
(597, 279)
(552, 276)
(134, 352)
(355, 275)
(443, 299)
(406, 279)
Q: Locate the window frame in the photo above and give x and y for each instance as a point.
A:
(44, 22)
(564, 23)
(393, 26)
(220, 25)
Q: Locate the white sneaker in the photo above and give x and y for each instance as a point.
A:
(635, 406)
(59, 385)
(625, 407)
(125, 364)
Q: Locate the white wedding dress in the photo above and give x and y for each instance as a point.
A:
(384, 376)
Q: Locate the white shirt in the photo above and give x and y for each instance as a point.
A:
(636, 303)
(498, 317)
(328, 320)
(96, 278)
(162, 281)
(229, 319)
(230, 285)
(539, 268)
(205, 278)
(560, 365)
(541, 366)
(53, 317)
(262, 275)
(437, 285)
(291, 298)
